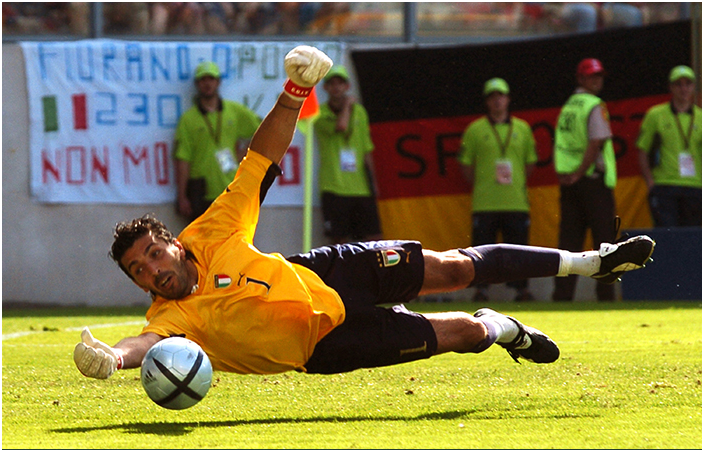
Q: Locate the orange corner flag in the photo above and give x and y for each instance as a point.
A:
(310, 107)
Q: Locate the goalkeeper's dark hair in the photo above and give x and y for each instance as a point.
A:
(127, 233)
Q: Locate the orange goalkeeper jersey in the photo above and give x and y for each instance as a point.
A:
(252, 312)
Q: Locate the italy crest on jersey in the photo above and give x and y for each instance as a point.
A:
(389, 258)
(222, 281)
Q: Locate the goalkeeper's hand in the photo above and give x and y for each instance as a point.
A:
(305, 66)
(94, 358)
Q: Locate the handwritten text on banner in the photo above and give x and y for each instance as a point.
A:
(103, 113)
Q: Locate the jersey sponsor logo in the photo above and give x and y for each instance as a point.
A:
(222, 281)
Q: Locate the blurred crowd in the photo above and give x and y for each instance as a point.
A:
(173, 18)
(545, 17)
(331, 18)
(57, 18)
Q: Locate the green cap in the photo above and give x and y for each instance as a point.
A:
(679, 72)
(337, 71)
(207, 68)
(495, 85)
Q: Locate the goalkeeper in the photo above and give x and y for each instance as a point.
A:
(318, 312)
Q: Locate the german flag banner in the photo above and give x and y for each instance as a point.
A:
(420, 100)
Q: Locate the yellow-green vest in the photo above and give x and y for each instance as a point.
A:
(571, 139)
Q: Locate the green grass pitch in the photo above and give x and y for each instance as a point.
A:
(629, 376)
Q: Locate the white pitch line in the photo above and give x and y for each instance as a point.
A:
(100, 325)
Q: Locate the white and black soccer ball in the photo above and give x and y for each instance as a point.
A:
(176, 373)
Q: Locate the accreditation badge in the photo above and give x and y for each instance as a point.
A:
(503, 171)
(686, 164)
(348, 160)
(226, 160)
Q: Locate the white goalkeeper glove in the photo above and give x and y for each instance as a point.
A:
(305, 66)
(94, 358)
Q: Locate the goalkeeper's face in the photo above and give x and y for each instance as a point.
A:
(160, 267)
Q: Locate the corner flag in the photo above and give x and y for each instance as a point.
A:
(310, 109)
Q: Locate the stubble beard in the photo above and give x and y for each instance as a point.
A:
(179, 284)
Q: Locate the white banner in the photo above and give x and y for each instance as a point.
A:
(103, 113)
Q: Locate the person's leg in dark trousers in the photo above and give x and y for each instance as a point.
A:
(663, 204)
(571, 236)
(599, 209)
(690, 207)
(515, 230)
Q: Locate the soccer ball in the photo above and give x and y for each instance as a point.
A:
(176, 373)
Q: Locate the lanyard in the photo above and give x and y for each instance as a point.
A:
(686, 139)
(214, 134)
(503, 146)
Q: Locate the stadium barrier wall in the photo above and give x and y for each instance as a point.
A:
(676, 272)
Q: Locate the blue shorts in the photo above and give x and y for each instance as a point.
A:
(367, 274)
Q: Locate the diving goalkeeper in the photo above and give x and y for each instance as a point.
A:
(319, 312)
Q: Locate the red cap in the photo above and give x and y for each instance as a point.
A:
(590, 66)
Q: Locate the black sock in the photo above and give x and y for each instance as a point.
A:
(500, 263)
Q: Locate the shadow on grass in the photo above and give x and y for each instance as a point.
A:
(182, 428)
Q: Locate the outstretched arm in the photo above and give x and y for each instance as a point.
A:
(305, 67)
(133, 349)
(96, 359)
(274, 135)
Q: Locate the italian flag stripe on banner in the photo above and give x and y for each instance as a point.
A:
(51, 114)
(51, 118)
(80, 115)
